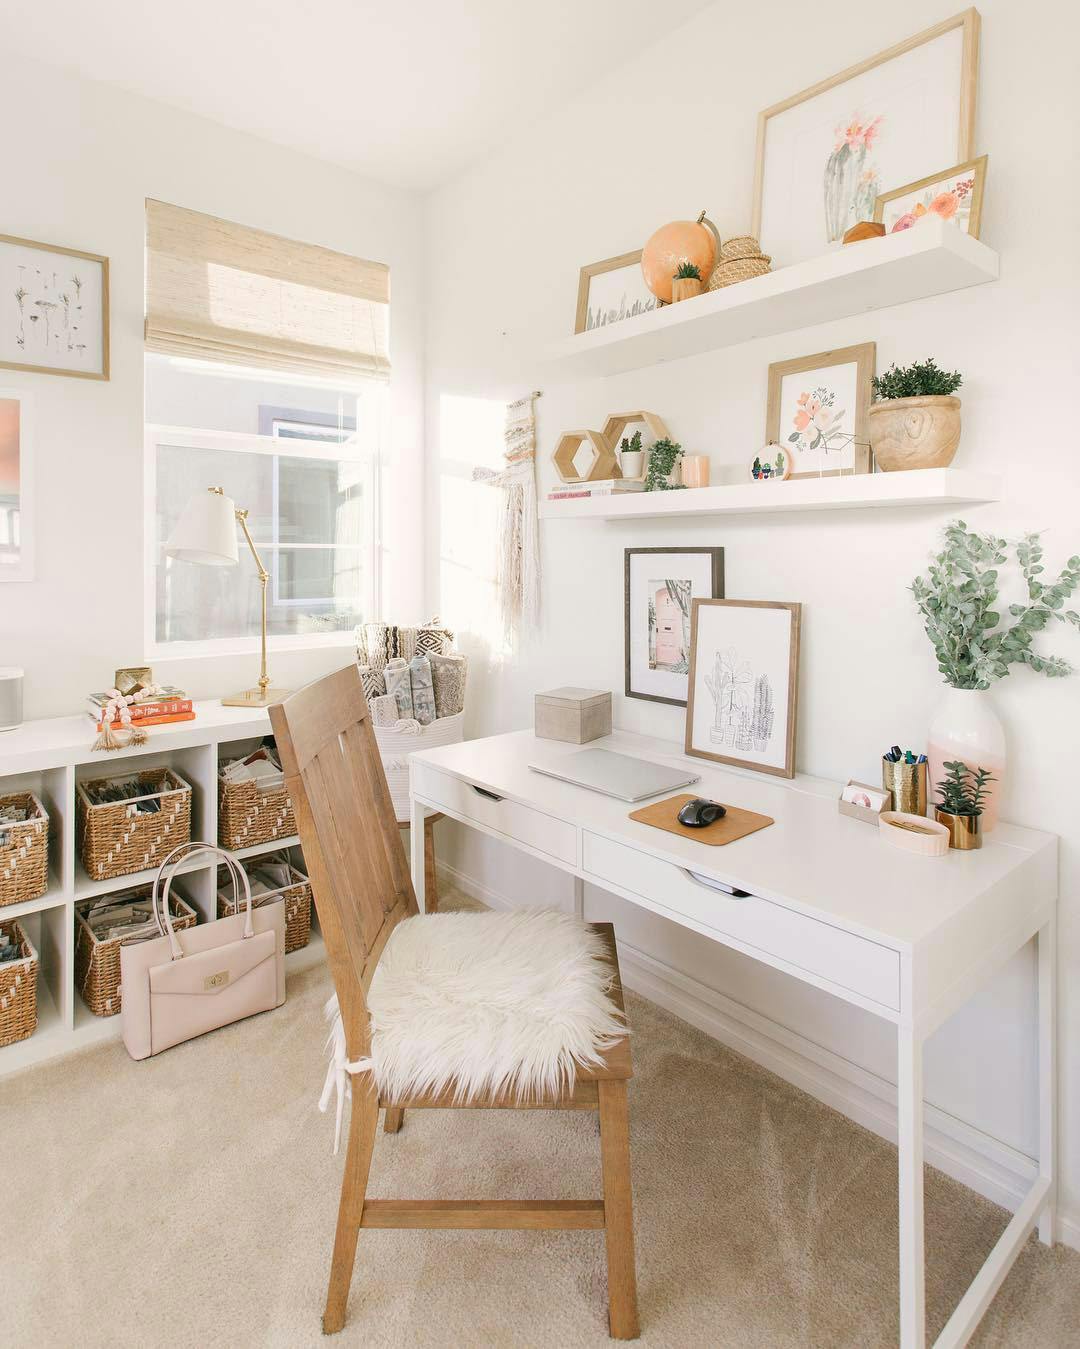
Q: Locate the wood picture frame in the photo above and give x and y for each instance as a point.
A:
(709, 573)
(52, 282)
(863, 356)
(743, 716)
(644, 304)
(971, 223)
(16, 485)
(968, 22)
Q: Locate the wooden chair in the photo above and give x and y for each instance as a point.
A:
(362, 891)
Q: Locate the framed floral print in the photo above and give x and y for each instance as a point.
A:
(661, 586)
(819, 411)
(826, 154)
(54, 314)
(744, 678)
(954, 195)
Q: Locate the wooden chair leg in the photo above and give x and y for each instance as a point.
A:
(363, 1122)
(393, 1119)
(618, 1210)
(431, 893)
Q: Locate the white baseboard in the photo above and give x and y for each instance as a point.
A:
(974, 1158)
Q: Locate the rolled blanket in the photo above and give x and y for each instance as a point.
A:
(423, 692)
(397, 684)
(432, 638)
(384, 710)
(448, 680)
(405, 643)
(373, 682)
(375, 643)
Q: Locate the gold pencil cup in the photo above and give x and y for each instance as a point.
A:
(907, 783)
(964, 831)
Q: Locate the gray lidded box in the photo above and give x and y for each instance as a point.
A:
(576, 715)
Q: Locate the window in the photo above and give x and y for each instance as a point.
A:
(266, 369)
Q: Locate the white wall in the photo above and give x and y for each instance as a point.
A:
(76, 172)
(672, 133)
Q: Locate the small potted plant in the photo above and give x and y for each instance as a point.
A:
(685, 282)
(963, 792)
(631, 456)
(664, 458)
(915, 422)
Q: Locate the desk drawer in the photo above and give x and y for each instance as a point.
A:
(853, 962)
(548, 835)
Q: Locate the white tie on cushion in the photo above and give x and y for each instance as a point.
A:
(485, 1003)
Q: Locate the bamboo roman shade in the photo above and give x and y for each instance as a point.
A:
(223, 292)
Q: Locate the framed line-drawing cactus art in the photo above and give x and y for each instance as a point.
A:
(824, 155)
(744, 683)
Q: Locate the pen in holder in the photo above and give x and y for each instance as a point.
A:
(907, 782)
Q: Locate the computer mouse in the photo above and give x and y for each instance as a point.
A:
(698, 813)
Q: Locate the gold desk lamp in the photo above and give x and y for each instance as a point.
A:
(206, 533)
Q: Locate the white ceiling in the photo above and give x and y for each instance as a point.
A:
(405, 93)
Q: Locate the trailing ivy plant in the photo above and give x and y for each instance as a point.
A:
(963, 790)
(958, 598)
(687, 271)
(919, 380)
(663, 456)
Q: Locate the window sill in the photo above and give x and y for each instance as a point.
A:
(248, 646)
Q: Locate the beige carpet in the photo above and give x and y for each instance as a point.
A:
(190, 1200)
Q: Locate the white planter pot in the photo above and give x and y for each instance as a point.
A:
(632, 463)
(966, 727)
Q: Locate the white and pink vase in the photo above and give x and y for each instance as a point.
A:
(967, 728)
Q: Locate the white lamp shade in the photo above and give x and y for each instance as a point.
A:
(206, 531)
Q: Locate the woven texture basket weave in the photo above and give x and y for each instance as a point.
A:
(116, 838)
(395, 747)
(297, 898)
(727, 273)
(24, 851)
(742, 246)
(247, 816)
(18, 989)
(97, 963)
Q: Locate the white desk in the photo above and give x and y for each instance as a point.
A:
(907, 938)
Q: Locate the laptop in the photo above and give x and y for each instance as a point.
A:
(619, 775)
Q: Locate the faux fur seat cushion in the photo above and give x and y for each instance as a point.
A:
(483, 1003)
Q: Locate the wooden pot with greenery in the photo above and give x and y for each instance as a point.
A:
(686, 282)
(915, 422)
(962, 791)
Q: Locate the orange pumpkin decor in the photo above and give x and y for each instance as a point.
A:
(696, 241)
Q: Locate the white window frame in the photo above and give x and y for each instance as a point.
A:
(184, 437)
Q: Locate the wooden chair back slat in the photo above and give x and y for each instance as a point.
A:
(348, 830)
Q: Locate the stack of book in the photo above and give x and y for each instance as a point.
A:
(602, 487)
(169, 705)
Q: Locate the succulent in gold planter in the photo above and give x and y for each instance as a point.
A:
(962, 791)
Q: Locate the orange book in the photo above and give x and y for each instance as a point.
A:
(154, 721)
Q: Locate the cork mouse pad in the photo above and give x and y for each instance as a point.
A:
(737, 823)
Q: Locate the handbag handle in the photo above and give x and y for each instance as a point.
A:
(184, 852)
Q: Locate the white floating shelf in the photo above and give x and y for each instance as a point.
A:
(922, 487)
(931, 259)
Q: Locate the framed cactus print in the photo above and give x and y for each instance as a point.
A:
(744, 683)
(826, 154)
(661, 585)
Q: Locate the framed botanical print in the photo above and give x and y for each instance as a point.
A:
(954, 195)
(819, 411)
(54, 309)
(744, 675)
(611, 291)
(16, 488)
(661, 586)
(825, 155)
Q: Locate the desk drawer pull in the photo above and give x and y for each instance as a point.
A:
(483, 791)
(711, 884)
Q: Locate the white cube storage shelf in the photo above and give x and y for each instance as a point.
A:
(48, 758)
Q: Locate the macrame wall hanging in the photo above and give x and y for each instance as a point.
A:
(518, 572)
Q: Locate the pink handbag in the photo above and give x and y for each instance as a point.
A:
(182, 984)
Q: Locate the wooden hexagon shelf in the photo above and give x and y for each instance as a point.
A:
(616, 425)
(603, 465)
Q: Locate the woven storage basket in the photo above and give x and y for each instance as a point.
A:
(395, 747)
(18, 989)
(97, 963)
(24, 851)
(297, 899)
(726, 273)
(742, 246)
(116, 839)
(247, 816)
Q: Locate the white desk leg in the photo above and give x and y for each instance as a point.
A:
(912, 1238)
(579, 897)
(1047, 947)
(417, 815)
